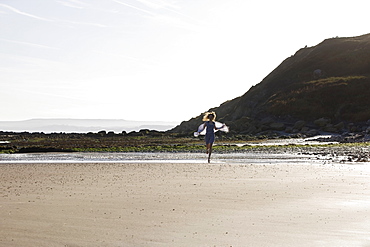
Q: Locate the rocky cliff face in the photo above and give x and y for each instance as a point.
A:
(320, 88)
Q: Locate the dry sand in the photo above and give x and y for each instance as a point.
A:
(184, 205)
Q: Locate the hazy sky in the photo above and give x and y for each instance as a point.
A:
(152, 59)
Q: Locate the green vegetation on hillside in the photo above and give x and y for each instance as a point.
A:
(344, 98)
(330, 80)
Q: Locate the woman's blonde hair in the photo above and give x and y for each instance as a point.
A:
(207, 114)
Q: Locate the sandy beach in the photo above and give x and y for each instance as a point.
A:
(195, 204)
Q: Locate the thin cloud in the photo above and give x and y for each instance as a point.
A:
(153, 4)
(17, 11)
(118, 55)
(72, 4)
(134, 7)
(190, 24)
(164, 5)
(83, 23)
(24, 13)
(143, 62)
(28, 44)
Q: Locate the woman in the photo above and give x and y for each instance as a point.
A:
(209, 128)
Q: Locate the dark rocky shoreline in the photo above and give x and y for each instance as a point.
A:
(350, 147)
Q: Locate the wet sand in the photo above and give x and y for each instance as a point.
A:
(164, 204)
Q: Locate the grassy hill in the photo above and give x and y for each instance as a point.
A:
(329, 81)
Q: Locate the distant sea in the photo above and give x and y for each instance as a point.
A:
(83, 125)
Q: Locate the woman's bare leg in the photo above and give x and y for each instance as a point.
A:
(209, 153)
(208, 147)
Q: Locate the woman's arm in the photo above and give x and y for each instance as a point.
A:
(223, 125)
(204, 126)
